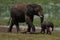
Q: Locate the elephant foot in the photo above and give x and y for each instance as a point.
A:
(9, 31)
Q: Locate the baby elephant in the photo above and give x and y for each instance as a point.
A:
(45, 27)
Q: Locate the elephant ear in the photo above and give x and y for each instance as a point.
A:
(30, 8)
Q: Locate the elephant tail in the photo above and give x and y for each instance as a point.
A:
(9, 21)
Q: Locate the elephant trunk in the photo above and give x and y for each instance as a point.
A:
(41, 16)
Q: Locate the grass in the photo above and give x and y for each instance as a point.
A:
(19, 36)
(49, 6)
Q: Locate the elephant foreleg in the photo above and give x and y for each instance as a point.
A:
(30, 23)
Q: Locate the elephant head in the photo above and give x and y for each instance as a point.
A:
(36, 9)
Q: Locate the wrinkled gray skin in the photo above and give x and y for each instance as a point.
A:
(22, 12)
(45, 26)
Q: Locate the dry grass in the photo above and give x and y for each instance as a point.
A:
(19, 36)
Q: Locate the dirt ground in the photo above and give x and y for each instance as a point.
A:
(14, 30)
(22, 29)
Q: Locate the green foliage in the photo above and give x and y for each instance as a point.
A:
(50, 7)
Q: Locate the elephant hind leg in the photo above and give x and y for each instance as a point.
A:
(17, 26)
(11, 26)
(42, 31)
(48, 31)
(33, 28)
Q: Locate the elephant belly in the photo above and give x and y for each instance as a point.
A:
(22, 19)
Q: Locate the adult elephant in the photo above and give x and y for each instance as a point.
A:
(22, 12)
